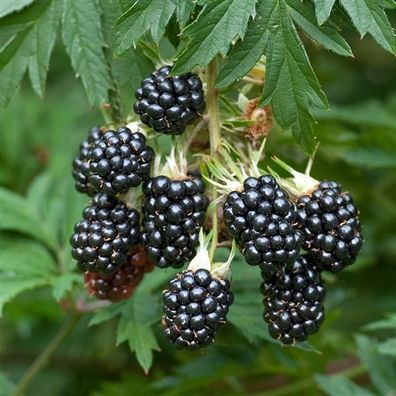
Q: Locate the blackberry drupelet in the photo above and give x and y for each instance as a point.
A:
(101, 240)
(81, 164)
(330, 223)
(293, 301)
(121, 284)
(195, 305)
(174, 211)
(168, 104)
(118, 161)
(261, 219)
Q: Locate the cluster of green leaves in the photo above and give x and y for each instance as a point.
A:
(241, 31)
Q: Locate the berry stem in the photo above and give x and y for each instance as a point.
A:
(42, 359)
(212, 100)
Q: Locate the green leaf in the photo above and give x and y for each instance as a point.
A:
(64, 283)
(142, 17)
(11, 285)
(368, 16)
(84, 40)
(337, 385)
(24, 256)
(323, 10)
(291, 84)
(370, 158)
(107, 313)
(18, 214)
(6, 386)
(245, 53)
(219, 23)
(138, 315)
(10, 6)
(326, 35)
(388, 347)
(29, 47)
(45, 37)
(381, 369)
(184, 8)
(385, 324)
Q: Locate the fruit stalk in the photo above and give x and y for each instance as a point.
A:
(212, 100)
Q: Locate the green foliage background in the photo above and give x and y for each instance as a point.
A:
(351, 355)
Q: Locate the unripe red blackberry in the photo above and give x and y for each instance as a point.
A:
(293, 301)
(101, 240)
(195, 305)
(120, 284)
(330, 223)
(81, 164)
(168, 104)
(261, 219)
(118, 161)
(174, 211)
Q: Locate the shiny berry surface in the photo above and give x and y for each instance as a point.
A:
(195, 306)
(168, 104)
(101, 241)
(293, 301)
(331, 227)
(174, 211)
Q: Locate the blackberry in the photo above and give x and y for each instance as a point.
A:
(330, 223)
(293, 301)
(168, 104)
(261, 219)
(174, 211)
(195, 305)
(118, 161)
(121, 284)
(81, 164)
(101, 240)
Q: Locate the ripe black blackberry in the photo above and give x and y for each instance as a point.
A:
(101, 241)
(168, 104)
(293, 301)
(328, 219)
(81, 164)
(118, 161)
(195, 305)
(174, 211)
(330, 223)
(261, 219)
(122, 283)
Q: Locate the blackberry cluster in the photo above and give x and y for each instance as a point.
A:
(101, 241)
(330, 223)
(121, 284)
(293, 301)
(81, 164)
(167, 104)
(261, 219)
(174, 211)
(195, 305)
(117, 161)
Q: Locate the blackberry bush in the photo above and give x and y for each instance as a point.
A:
(101, 240)
(329, 220)
(118, 160)
(173, 212)
(293, 301)
(120, 284)
(196, 304)
(81, 163)
(168, 104)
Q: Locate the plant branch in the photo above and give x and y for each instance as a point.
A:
(42, 359)
(212, 100)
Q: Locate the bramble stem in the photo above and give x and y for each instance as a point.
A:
(212, 101)
(42, 359)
